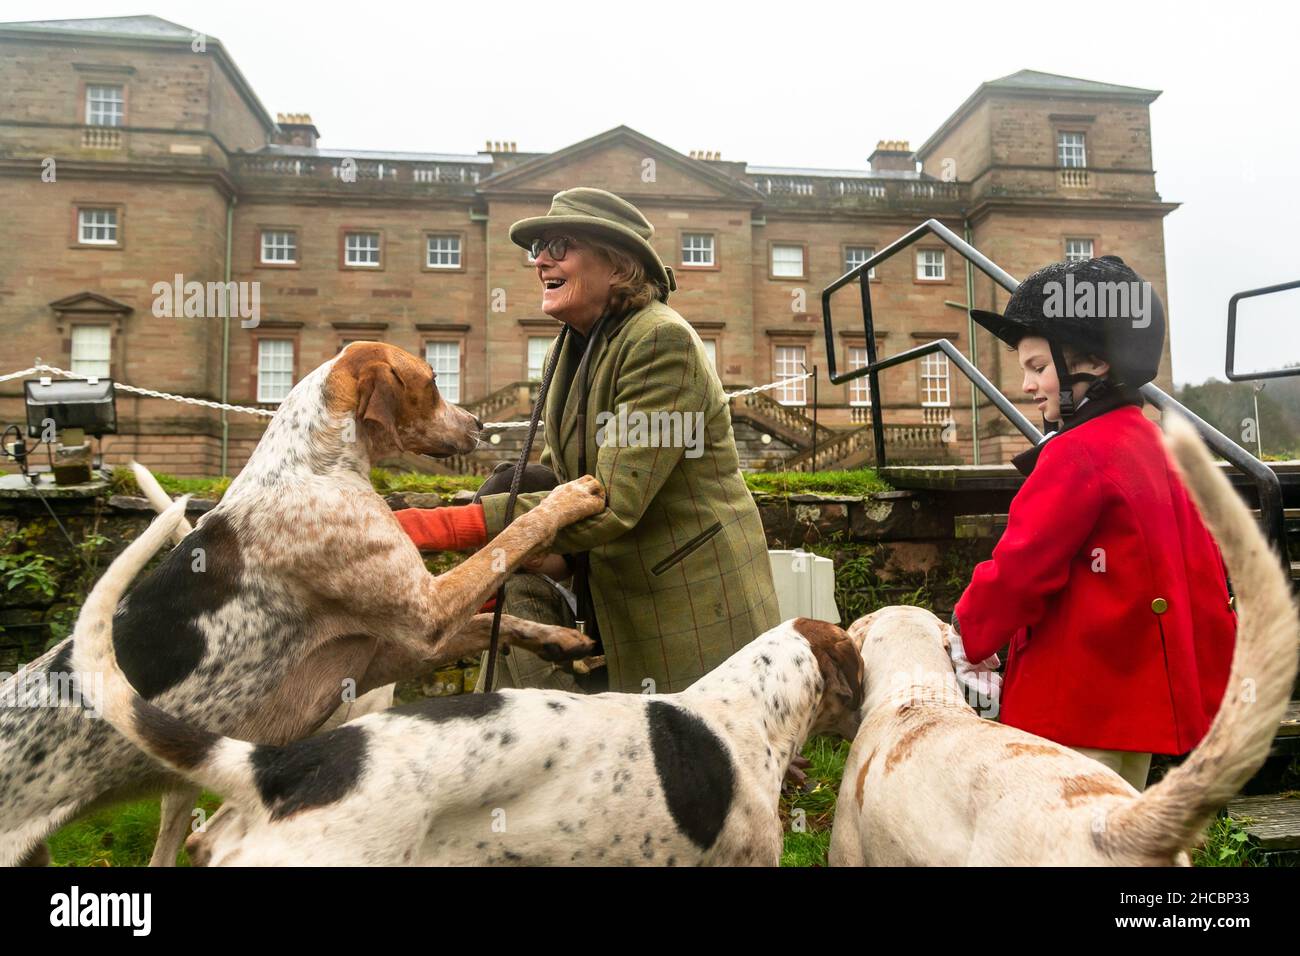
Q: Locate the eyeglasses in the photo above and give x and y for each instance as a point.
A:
(557, 247)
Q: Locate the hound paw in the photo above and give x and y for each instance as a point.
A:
(553, 643)
(577, 499)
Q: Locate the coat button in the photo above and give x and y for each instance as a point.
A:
(1232, 602)
(1160, 605)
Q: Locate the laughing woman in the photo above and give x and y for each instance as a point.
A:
(673, 576)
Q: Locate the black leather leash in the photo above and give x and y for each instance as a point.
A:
(586, 615)
(538, 408)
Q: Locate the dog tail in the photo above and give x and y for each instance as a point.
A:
(199, 754)
(159, 498)
(1168, 817)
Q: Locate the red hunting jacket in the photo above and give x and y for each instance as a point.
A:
(1111, 593)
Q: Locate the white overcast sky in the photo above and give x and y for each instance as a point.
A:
(806, 84)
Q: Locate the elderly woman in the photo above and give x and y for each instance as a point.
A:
(673, 576)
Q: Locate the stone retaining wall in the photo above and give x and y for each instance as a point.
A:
(892, 547)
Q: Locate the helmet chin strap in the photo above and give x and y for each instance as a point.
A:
(1066, 380)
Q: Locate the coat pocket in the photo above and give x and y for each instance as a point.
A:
(681, 553)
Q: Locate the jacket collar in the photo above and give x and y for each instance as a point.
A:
(562, 409)
(1091, 407)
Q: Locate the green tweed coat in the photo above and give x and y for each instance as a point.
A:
(679, 576)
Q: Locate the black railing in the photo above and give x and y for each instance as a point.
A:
(1233, 374)
(1267, 485)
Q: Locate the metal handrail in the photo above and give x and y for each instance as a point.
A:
(1267, 485)
(1233, 375)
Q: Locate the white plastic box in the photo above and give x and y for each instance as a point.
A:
(805, 585)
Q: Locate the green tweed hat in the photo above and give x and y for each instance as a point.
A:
(595, 211)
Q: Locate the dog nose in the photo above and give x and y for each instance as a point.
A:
(478, 424)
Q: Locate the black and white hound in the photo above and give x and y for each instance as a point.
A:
(515, 777)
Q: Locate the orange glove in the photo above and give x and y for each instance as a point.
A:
(451, 528)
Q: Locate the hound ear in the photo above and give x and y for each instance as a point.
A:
(838, 660)
(946, 631)
(845, 678)
(377, 399)
(858, 630)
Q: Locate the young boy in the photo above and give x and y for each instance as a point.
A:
(1106, 583)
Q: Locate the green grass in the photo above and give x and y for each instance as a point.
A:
(1227, 844)
(122, 482)
(856, 483)
(387, 482)
(808, 833)
(117, 836)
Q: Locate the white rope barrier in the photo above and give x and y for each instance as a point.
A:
(267, 413)
(760, 388)
(134, 390)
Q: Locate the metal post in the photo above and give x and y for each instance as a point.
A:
(814, 443)
(225, 343)
(873, 378)
(1259, 430)
(974, 353)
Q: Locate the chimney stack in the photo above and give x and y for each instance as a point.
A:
(893, 154)
(295, 129)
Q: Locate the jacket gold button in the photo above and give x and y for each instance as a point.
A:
(1160, 605)
(1232, 602)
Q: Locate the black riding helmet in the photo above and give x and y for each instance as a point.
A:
(1099, 306)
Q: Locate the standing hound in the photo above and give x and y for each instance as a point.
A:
(298, 591)
(928, 782)
(178, 804)
(526, 776)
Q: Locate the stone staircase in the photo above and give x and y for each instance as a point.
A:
(787, 422)
(915, 444)
(505, 404)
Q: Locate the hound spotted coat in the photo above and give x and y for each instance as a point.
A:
(514, 777)
(298, 586)
(928, 782)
